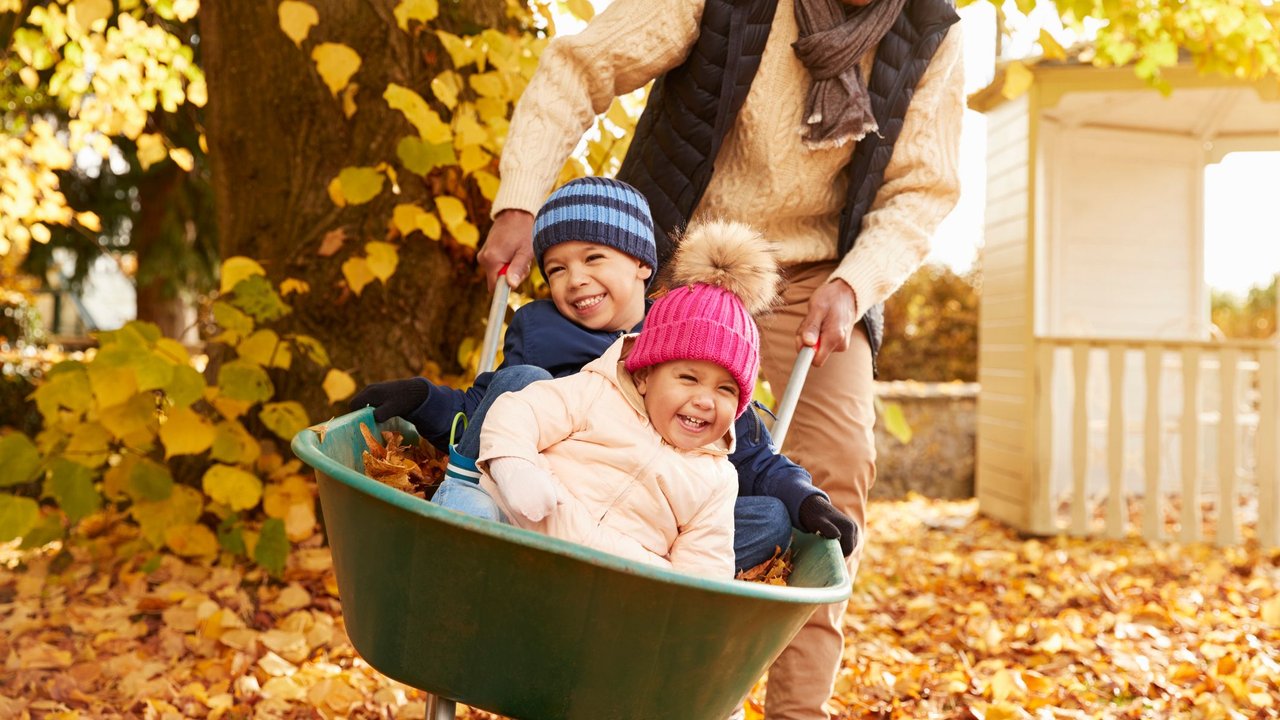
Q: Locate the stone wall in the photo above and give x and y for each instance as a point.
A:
(938, 461)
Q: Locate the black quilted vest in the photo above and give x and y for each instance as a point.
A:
(692, 107)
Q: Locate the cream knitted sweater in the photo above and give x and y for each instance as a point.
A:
(765, 175)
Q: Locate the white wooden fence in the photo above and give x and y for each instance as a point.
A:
(1143, 435)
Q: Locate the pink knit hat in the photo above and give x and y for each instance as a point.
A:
(723, 273)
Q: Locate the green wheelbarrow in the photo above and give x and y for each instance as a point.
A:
(513, 622)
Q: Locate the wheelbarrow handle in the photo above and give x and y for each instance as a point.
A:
(791, 395)
(493, 330)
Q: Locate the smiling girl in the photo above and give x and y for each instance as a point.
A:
(630, 456)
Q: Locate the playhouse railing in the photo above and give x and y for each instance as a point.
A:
(1155, 436)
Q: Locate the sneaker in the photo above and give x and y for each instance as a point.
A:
(461, 467)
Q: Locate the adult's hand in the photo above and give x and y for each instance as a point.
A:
(829, 324)
(510, 242)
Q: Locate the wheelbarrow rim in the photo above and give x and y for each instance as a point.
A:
(306, 445)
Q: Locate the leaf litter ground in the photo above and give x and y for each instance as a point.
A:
(953, 616)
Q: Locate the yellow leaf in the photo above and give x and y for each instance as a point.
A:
(186, 432)
(445, 87)
(183, 158)
(1269, 611)
(335, 193)
(264, 348)
(184, 10)
(1017, 80)
(294, 285)
(582, 9)
(151, 149)
(451, 210)
(235, 269)
(233, 487)
(338, 385)
(420, 10)
(336, 63)
(360, 184)
(429, 125)
(458, 50)
(349, 99)
(191, 540)
(1050, 46)
(429, 224)
(405, 218)
(473, 158)
(89, 221)
(468, 131)
(356, 271)
(466, 234)
(84, 13)
(382, 259)
(297, 19)
(488, 183)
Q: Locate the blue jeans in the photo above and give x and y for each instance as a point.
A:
(760, 526)
(459, 490)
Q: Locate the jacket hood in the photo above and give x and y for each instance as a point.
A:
(612, 367)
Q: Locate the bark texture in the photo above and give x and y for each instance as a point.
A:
(277, 137)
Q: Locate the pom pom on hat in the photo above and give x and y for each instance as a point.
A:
(723, 272)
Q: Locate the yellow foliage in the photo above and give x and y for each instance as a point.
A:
(359, 184)
(446, 87)
(232, 486)
(429, 125)
(191, 540)
(420, 10)
(356, 271)
(338, 385)
(382, 259)
(235, 269)
(297, 19)
(186, 432)
(336, 63)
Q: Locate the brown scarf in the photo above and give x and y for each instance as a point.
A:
(833, 39)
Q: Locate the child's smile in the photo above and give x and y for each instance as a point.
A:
(596, 286)
(691, 403)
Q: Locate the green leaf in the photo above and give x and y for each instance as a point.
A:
(255, 296)
(233, 487)
(153, 372)
(230, 536)
(150, 481)
(422, 157)
(264, 348)
(17, 516)
(89, 445)
(246, 381)
(71, 484)
(311, 348)
(112, 384)
(46, 530)
(185, 387)
(234, 445)
(234, 323)
(285, 419)
(182, 508)
(66, 386)
(128, 419)
(19, 460)
(896, 422)
(236, 269)
(272, 548)
(360, 184)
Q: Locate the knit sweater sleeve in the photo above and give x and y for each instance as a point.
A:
(624, 47)
(921, 183)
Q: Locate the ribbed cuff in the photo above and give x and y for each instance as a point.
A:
(519, 191)
(857, 281)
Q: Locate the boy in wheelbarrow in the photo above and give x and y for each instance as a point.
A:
(594, 242)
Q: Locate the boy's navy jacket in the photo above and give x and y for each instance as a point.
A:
(539, 335)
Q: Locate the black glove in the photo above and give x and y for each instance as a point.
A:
(393, 398)
(818, 515)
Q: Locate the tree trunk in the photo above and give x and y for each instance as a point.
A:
(158, 301)
(277, 137)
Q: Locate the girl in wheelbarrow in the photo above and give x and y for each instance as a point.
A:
(594, 243)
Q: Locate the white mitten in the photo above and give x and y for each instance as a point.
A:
(527, 488)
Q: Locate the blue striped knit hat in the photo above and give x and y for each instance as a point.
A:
(597, 210)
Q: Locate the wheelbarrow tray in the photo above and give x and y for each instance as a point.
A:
(529, 626)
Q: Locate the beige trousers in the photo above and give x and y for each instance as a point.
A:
(832, 437)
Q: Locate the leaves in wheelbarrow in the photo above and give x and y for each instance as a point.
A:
(773, 571)
(415, 469)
